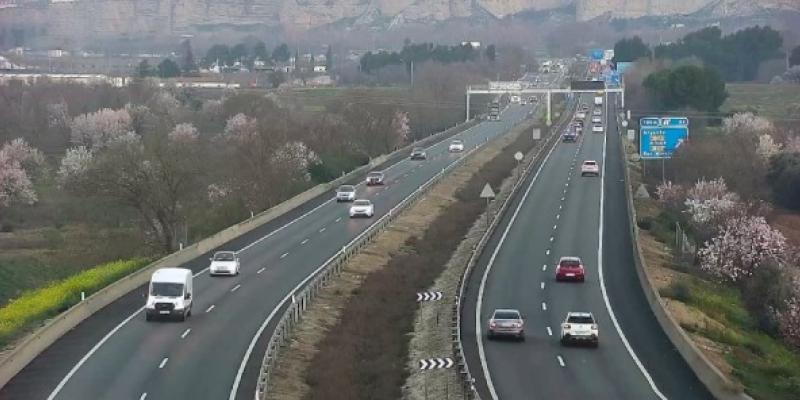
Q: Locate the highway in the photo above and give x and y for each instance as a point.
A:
(216, 353)
(559, 213)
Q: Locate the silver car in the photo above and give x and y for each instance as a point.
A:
(346, 193)
(506, 323)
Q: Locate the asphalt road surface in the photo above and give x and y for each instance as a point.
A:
(559, 214)
(217, 352)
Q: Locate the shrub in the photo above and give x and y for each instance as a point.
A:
(37, 305)
(784, 180)
(678, 290)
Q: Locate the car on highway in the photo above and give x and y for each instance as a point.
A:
(169, 294)
(346, 193)
(533, 99)
(374, 178)
(580, 327)
(584, 107)
(569, 137)
(597, 111)
(580, 115)
(590, 167)
(597, 128)
(224, 263)
(362, 208)
(570, 269)
(506, 323)
(578, 127)
(597, 120)
(418, 153)
(456, 146)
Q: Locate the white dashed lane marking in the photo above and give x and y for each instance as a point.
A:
(544, 306)
(211, 307)
(261, 270)
(235, 288)
(561, 361)
(305, 240)
(163, 363)
(549, 331)
(185, 333)
(284, 255)
(322, 230)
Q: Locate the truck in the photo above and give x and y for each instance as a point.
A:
(494, 111)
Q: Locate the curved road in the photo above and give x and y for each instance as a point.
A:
(560, 214)
(216, 354)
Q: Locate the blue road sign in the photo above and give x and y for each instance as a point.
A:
(660, 136)
(596, 54)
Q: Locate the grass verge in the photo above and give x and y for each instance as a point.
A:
(763, 364)
(33, 307)
(771, 101)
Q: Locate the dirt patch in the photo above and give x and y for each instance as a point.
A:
(353, 340)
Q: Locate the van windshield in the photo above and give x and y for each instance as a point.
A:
(166, 289)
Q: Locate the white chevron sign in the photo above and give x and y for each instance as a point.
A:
(429, 296)
(435, 363)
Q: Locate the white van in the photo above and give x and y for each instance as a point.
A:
(169, 294)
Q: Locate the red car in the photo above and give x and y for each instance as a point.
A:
(570, 269)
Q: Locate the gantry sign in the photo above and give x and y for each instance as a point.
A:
(521, 88)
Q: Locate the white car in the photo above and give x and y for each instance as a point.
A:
(580, 115)
(597, 128)
(456, 146)
(362, 208)
(580, 327)
(224, 263)
(346, 193)
(590, 167)
(597, 120)
(597, 111)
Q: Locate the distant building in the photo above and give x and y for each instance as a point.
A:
(84, 79)
(57, 53)
(320, 68)
(475, 45)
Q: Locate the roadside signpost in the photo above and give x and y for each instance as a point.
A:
(659, 137)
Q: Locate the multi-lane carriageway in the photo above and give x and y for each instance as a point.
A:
(216, 353)
(559, 213)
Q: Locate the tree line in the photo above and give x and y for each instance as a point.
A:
(422, 52)
(736, 56)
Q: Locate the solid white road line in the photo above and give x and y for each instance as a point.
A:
(163, 363)
(261, 270)
(549, 331)
(306, 240)
(603, 285)
(235, 288)
(211, 307)
(482, 288)
(561, 361)
(284, 255)
(186, 333)
(544, 306)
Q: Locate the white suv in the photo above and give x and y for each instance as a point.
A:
(362, 208)
(580, 327)
(590, 167)
(456, 146)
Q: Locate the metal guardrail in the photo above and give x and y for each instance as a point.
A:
(458, 348)
(331, 268)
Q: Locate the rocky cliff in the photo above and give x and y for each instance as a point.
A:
(82, 19)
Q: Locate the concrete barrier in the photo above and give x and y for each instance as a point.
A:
(717, 383)
(32, 345)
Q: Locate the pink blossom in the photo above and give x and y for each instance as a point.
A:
(711, 202)
(789, 319)
(217, 193)
(400, 124)
(95, 130)
(671, 195)
(17, 160)
(743, 245)
(747, 122)
(295, 156)
(240, 128)
(767, 147)
(74, 164)
(183, 133)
